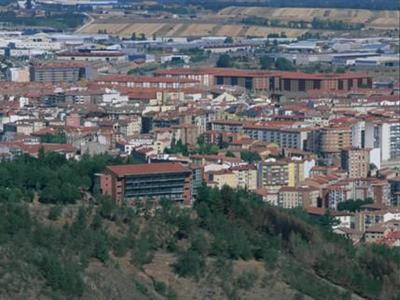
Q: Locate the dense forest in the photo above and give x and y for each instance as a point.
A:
(51, 250)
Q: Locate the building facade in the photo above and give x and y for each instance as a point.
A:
(153, 181)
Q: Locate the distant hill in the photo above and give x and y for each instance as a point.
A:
(358, 4)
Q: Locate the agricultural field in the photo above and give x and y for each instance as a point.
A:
(246, 21)
(384, 19)
(184, 29)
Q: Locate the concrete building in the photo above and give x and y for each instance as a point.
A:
(69, 72)
(153, 181)
(329, 142)
(284, 135)
(291, 197)
(18, 74)
(93, 55)
(356, 162)
(73, 120)
(246, 176)
(219, 178)
(146, 82)
(385, 136)
(273, 173)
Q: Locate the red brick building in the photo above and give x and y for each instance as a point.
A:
(153, 181)
(273, 81)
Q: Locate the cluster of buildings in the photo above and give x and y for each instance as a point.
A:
(296, 139)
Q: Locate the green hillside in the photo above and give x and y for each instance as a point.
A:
(230, 245)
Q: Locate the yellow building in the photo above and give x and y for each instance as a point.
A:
(246, 176)
(282, 172)
(295, 172)
(220, 178)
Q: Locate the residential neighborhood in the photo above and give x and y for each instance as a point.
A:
(286, 129)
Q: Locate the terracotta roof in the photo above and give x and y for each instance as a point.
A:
(33, 149)
(316, 210)
(128, 78)
(154, 168)
(256, 73)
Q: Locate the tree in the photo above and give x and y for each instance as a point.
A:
(100, 246)
(190, 264)
(229, 154)
(354, 205)
(55, 212)
(28, 4)
(327, 221)
(142, 37)
(283, 64)
(228, 40)
(266, 62)
(224, 61)
(249, 156)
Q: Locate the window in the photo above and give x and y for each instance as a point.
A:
(248, 83)
(234, 80)
(302, 85)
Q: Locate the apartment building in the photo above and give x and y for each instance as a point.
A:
(284, 134)
(142, 182)
(68, 72)
(369, 218)
(281, 134)
(220, 178)
(355, 161)
(395, 190)
(246, 176)
(291, 197)
(329, 142)
(146, 82)
(273, 173)
(227, 126)
(384, 134)
(284, 172)
(358, 189)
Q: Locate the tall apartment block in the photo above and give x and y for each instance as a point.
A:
(356, 162)
(385, 136)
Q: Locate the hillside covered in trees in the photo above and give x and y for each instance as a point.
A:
(230, 245)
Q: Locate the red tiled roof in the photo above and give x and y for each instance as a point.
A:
(316, 210)
(33, 149)
(128, 78)
(255, 73)
(154, 168)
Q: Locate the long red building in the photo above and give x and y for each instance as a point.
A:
(273, 81)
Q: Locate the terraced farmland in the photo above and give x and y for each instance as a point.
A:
(126, 29)
(378, 19)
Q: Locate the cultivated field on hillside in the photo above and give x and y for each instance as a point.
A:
(126, 29)
(230, 21)
(379, 19)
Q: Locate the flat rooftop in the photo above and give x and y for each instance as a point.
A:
(144, 169)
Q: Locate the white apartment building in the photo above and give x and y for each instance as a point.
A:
(384, 135)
